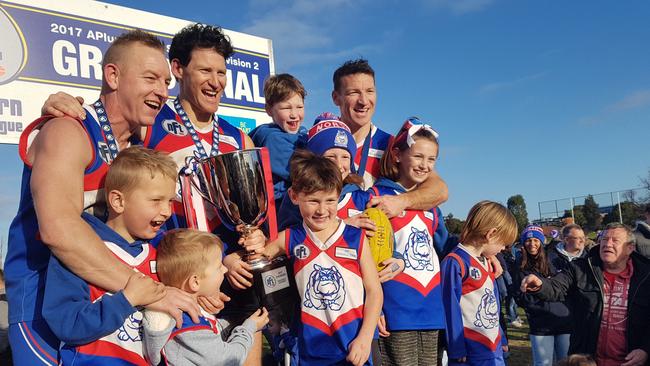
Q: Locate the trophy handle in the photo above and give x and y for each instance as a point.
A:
(193, 173)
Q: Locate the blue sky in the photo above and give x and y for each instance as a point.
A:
(545, 99)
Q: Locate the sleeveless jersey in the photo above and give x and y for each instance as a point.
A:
(471, 306)
(169, 134)
(413, 299)
(328, 277)
(379, 141)
(27, 255)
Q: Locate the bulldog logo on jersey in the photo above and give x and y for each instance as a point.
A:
(418, 253)
(487, 315)
(132, 328)
(325, 289)
(174, 127)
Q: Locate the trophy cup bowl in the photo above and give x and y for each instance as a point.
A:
(234, 183)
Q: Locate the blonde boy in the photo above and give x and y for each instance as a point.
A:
(191, 261)
(469, 293)
(337, 280)
(95, 326)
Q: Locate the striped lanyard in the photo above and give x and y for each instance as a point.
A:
(200, 151)
(106, 127)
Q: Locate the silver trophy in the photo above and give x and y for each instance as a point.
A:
(234, 183)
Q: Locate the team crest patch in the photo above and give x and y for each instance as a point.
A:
(104, 152)
(325, 289)
(418, 253)
(174, 127)
(341, 139)
(474, 273)
(301, 251)
(487, 315)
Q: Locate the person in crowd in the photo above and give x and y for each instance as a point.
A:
(412, 313)
(191, 261)
(570, 248)
(335, 274)
(65, 164)
(356, 95)
(608, 293)
(642, 234)
(285, 104)
(140, 186)
(550, 321)
(554, 238)
(511, 256)
(469, 292)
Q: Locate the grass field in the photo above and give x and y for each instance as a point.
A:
(519, 343)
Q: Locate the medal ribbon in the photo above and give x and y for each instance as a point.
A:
(195, 137)
(106, 127)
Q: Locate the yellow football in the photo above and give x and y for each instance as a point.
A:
(381, 244)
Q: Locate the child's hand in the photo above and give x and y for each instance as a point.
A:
(362, 221)
(238, 274)
(359, 351)
(394, 266)
(381, 326)
(260, 317)
(253, 242)
(143, 290)
(391, 205)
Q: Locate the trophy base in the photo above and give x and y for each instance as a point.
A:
(273, 287)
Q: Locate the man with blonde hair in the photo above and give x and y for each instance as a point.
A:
(65, 164)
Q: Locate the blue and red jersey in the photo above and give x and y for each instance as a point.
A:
(472, 308)
(413, 299)
(97, 327)
(379, 142)
(328, 277)
(27, 256)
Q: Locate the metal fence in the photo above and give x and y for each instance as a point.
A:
(607, 202)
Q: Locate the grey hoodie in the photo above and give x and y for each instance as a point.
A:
(194, 344)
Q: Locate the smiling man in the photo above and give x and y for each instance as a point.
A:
(609, 295)
(356, 96)
(66, 161)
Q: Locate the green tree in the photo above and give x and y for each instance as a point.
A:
(578, 216)
(592, 215)
(454, 225)
(631, 213)
(517, 206)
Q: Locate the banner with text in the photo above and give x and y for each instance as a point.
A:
(47, 47)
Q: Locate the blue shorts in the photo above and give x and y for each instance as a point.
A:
(33, 343)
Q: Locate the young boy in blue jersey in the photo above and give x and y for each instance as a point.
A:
(191, 261)
(336, 276)
(469, 292)
(95, 326)
(285, 104)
